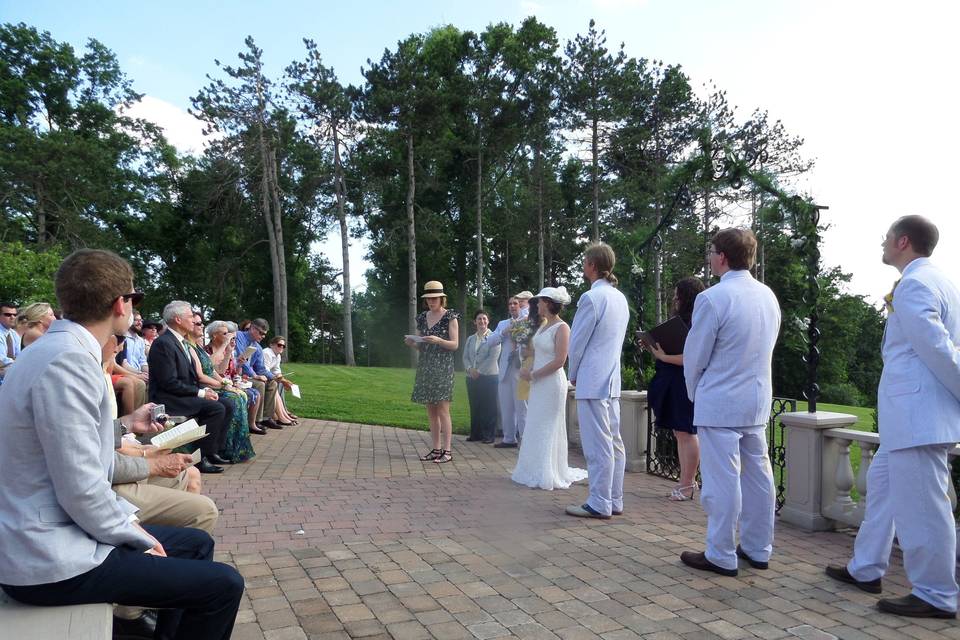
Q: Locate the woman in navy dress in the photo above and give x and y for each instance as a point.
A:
(668, 395)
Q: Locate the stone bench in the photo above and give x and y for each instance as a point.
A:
(79, 622)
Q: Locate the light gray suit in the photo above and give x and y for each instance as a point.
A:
(727, 366)
(596, 340)
(58, 515)
(513, 411)
(919, 411)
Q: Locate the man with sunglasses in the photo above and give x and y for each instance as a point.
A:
(65, 537)
(254, 368)
(9, 340)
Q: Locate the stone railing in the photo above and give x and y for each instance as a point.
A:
(633, 427)
(823, 490)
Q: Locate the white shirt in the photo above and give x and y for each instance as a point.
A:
(271, 361)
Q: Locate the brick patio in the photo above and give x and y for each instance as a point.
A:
(341, 532)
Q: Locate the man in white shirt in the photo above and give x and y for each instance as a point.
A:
(727, 365)
(9, 340)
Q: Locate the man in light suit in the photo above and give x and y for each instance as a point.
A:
(596, 341)
(919, 416)
(65, 537)
(513, 411)
(727, 366)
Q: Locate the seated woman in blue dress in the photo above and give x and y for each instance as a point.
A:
(668, 395)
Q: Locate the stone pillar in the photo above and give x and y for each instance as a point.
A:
(805, 463)
(633, 428)
(573, 425)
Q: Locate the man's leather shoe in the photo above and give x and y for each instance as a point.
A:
(585, 511)
(470, 439)
(506, 445)
(206, 467)
(140, 628)
(913, 607)
(257, 430)
(838, 572)
(699, 561)
(756, 564)
(269, 424)
(216, 458)
(489, 441)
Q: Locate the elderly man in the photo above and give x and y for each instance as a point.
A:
(918, 405)
(727, 365)
(261, 377)
(65, 537)
(174, 383)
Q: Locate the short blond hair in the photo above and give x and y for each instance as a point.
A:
(33, 314)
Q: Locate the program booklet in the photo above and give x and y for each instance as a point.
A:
(180, 435)
(671, 335)
(248, 352)
(197, 456)
(295, 390)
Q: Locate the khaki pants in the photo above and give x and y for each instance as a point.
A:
(165, 501)
(268, 391)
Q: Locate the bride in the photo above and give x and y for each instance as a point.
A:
(542, 462)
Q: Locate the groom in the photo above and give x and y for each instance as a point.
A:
(596, 340)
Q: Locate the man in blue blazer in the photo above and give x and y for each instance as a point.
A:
(513, 410)
(919, 415)
(65, 537)
(727, 366)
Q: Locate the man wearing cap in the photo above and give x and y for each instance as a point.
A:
(513, 411)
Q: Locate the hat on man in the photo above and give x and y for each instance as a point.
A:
(523, 295)
(557, 294)
(433, 289)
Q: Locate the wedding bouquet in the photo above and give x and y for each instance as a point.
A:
(520, 333)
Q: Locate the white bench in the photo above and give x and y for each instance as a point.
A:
(78, 622)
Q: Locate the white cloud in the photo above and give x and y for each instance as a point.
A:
(182, 130)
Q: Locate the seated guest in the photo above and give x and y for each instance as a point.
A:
(151, 329)
(135, 356)
(254, 369)
(65, 537)
(272, 356)
(221, 343)
(32, 322)
(130, 391)
(174, 383)
(236, 446)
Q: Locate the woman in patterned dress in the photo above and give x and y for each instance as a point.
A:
(440, 331)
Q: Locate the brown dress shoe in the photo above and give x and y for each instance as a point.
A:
(911, 606)
(257, 430)
(270, 424)
(699, 561)
(838, 572)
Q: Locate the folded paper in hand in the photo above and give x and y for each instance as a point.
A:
(414, 338)
(248, 352)
(295, 390)
(671, 336)
(180, 435)
(197, 456)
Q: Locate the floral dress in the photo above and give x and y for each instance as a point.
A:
(237, 445)
(435, 368)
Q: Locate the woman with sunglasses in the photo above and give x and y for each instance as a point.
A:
(272, 356)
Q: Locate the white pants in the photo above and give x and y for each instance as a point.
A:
(907, 493)
(603, 449)
(737, 487)
(513, 412)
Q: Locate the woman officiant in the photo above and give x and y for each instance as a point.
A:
(482, 376)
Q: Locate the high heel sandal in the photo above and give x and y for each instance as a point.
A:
(678, 495)
(433, 455)
(445, 456)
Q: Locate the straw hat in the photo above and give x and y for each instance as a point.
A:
(557, 294)
(433, 289)
(523, 295)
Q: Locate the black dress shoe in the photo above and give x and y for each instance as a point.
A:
(699, 561)
(840, 573)
(756, 564)
(140, 628)
(488, 441)
(911, 606)
(257, 430)
(206, 467)
(216, 458)
(470, 439)
(269, 424)
(506, 445)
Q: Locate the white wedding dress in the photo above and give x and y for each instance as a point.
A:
(542, 462)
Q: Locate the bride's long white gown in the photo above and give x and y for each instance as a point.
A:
(542, 462)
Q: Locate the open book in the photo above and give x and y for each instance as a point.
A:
(180, 435)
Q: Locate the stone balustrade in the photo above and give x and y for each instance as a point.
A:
(633, 427)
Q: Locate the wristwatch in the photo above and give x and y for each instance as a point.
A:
(119, 426)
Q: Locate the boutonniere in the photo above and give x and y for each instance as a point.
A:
(888, 299)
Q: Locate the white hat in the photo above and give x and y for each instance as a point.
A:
(523, 295)
(557, 294)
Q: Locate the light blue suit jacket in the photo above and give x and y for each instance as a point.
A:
(919, 393)
(484, 360)
(58, 515)
(596, 341)
(500, 337)
(729, 351)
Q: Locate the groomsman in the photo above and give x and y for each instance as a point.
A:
(919, 415)
(596, 341)
(726, 363)
(513, 412)
(524, 299)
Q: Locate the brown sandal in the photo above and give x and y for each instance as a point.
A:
(445, 456)
(433, 455)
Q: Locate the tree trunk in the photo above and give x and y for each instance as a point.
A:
(411, 249)
(340, 188)
(280, 301)
(479, 224)
(706, 235)
(538, 169)
(595, 153)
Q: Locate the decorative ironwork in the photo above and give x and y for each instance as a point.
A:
(777, 446)
(810, 245)
(662, 458)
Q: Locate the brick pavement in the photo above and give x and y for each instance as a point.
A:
(341, 532)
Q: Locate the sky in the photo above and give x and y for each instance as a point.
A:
(871, 86)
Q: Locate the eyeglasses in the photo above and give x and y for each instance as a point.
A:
(135, 297)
